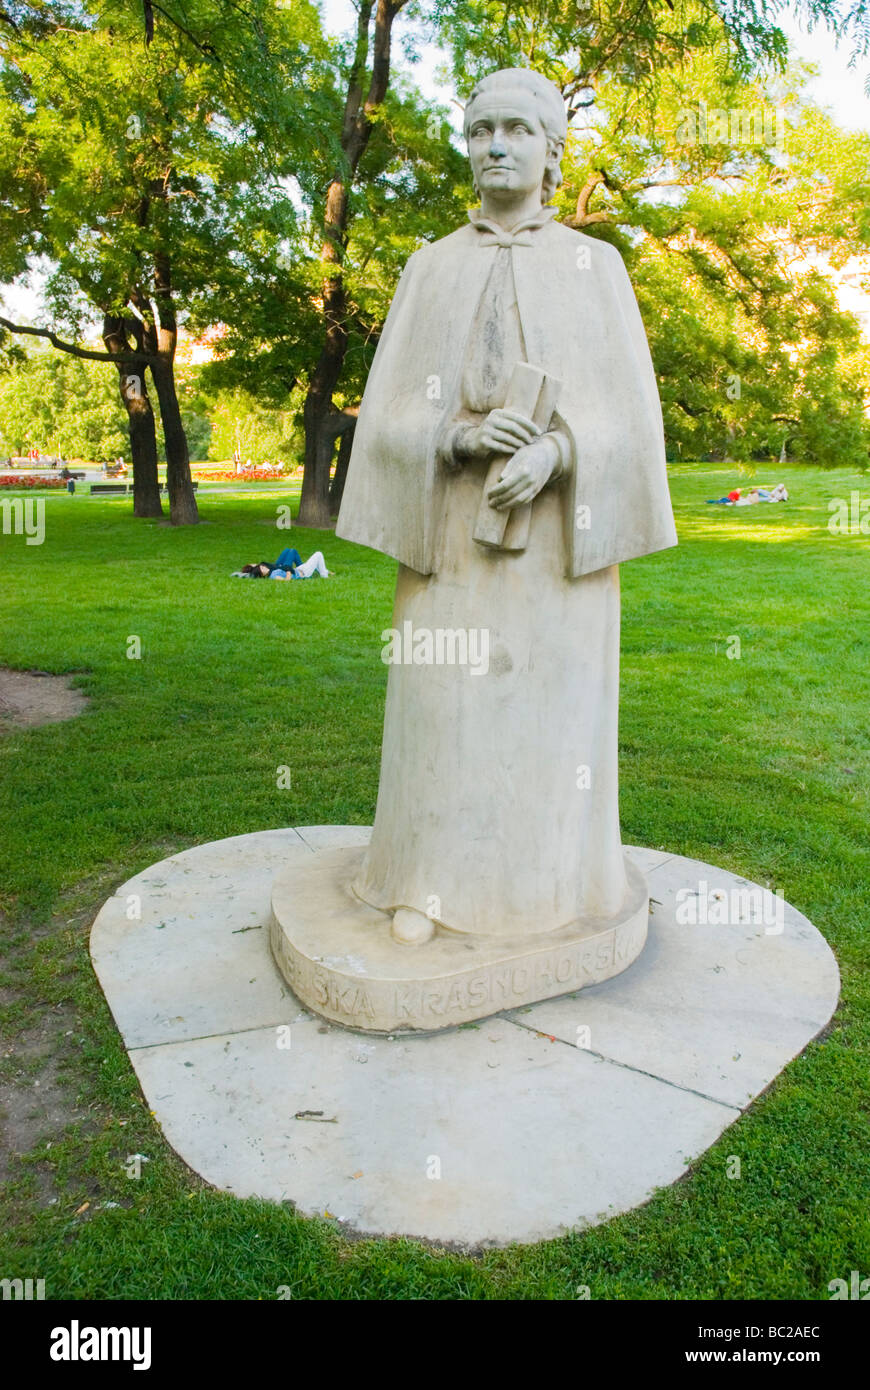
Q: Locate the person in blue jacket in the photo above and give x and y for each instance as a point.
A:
(289, 565)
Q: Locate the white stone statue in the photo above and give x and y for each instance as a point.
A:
(497, 808)
(509, 454)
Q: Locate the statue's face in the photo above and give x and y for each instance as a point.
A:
(507, 144)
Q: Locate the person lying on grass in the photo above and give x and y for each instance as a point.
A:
(763, 494)
(756, 494)
(289, 565)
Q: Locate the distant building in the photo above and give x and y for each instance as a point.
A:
(192, 352)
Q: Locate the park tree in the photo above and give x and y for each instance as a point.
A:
(695, 150)
(733, 202)
(142, 143)
(618, 59)
(283, 331)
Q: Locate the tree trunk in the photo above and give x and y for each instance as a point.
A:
(140, 421)
(345, 444)
(183, 510)
(359, 116)
(319, 441)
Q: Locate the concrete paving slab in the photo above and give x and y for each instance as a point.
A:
(196, 960)
(479, 1136)
(717, 1007)
(515, 1128)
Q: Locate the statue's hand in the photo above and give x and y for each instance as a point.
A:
(528, 471)
(502, 432)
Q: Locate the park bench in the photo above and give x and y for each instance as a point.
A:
(120, 489)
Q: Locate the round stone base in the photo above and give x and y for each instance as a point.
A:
(340, 959)
(544, 1119)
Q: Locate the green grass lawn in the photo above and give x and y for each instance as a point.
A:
(758, 764)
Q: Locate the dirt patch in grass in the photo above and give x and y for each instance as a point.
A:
(34, 1099)
(36, 1102)
(46, 1053)
(30, 698)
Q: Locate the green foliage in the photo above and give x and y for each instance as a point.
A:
(67, 405)
(259, 432)
(215, 143)
(121, 159)
(575, 42)
(734, 201)
(62, 405)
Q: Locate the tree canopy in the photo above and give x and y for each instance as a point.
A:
(212, 164)
(147, 151)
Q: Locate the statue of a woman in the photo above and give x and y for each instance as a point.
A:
(497, 809)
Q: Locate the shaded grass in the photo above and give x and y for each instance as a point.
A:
(759, 764)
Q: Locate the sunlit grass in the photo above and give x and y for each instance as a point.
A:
(759, 764)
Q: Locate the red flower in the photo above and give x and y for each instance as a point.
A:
(25, 480)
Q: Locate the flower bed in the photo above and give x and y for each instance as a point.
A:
(28, 480)
(248, 475)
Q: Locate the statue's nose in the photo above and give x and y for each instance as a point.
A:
(496, 148)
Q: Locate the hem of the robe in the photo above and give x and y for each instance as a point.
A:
(595, 921)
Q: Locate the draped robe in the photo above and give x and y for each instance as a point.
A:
(497, 805)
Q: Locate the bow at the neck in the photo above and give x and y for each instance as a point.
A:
(493, 234)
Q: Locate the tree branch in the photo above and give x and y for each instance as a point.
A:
(206, 49)
(589, 187)
(147, 359)
(694, 411)
(590, 219)
(380, 75)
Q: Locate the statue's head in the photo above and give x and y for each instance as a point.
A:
(515, 128)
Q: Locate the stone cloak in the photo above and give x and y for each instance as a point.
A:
(580, 323)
